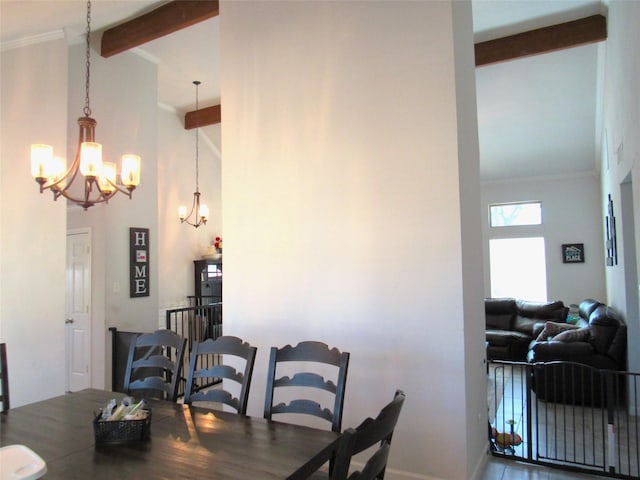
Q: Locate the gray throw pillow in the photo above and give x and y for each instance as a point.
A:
(573, 335)
(551, 329)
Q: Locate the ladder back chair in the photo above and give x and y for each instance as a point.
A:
(370, 432)
(4, 378)
(308, 353)
(154, 364)
(374, 467)
(202, 366)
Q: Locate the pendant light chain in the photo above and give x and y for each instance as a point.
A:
(200, 210)
(197, 83)
(87, 107)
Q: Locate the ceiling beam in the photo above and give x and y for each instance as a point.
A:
(542, 40)
(202, 117)
(162, 21)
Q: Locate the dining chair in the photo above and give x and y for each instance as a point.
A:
(370, 432)
(374, 467)
(202, 366)
(4, 378)
(154, 364)
(309, 353)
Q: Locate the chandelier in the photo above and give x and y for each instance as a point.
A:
(100, 183)
(201, 211)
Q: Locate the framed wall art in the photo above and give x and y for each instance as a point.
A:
(573, 253)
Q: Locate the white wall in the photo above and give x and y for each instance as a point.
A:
(32, 226)
(342, 209)
(571, 214)
(621, 145)
(471, 237)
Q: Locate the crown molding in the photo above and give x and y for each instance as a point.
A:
(32, 40)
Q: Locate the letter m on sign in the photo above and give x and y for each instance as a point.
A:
(138, 262)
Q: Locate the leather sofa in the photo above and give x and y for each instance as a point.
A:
(598, 342)
(512, 324)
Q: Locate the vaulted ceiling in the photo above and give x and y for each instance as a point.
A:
(537, 115)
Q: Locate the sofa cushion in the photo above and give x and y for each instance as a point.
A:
(500, 313)
(531, 314)
(500, 321)
(604, 324)
(504, 337)
(542, 310)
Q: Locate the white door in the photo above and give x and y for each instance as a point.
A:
(78, 310)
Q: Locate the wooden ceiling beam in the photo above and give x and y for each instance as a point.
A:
(162, 21)
(542, 40)
(203, 117)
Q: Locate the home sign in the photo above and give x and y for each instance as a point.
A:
(138, 262)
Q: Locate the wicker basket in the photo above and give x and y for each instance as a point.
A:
(121, 431)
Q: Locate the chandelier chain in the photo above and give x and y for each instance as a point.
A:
(87, 107)
(197, 83)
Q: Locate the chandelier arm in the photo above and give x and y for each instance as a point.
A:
(195, 207)
(87, 201)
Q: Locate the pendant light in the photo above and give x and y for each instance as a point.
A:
(99, 178)
(199, 210)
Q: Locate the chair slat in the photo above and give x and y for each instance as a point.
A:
(304, 406)
(306, 379)
(220, 371)
(218, 396)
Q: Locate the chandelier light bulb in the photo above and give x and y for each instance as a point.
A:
(204, 212)
(91, 159)
(58, 167)
(41, 161)
(107, 181)
(130, 171)
(182, 213)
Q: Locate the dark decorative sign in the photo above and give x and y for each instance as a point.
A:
(138, 262)
(573, 253)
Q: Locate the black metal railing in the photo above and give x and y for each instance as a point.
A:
(196, 324)
(566, 415)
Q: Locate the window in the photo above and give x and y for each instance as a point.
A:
(518, 268)
(515, 214)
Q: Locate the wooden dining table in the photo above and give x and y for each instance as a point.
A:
(185, 442)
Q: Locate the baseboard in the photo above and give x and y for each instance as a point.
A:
(396, 474)
(393, 474)
(481, 463)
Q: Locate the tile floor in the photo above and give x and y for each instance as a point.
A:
(499, 469)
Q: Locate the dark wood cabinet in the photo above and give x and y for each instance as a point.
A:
(208, 280)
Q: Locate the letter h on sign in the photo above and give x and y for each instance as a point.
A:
(138, 262)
